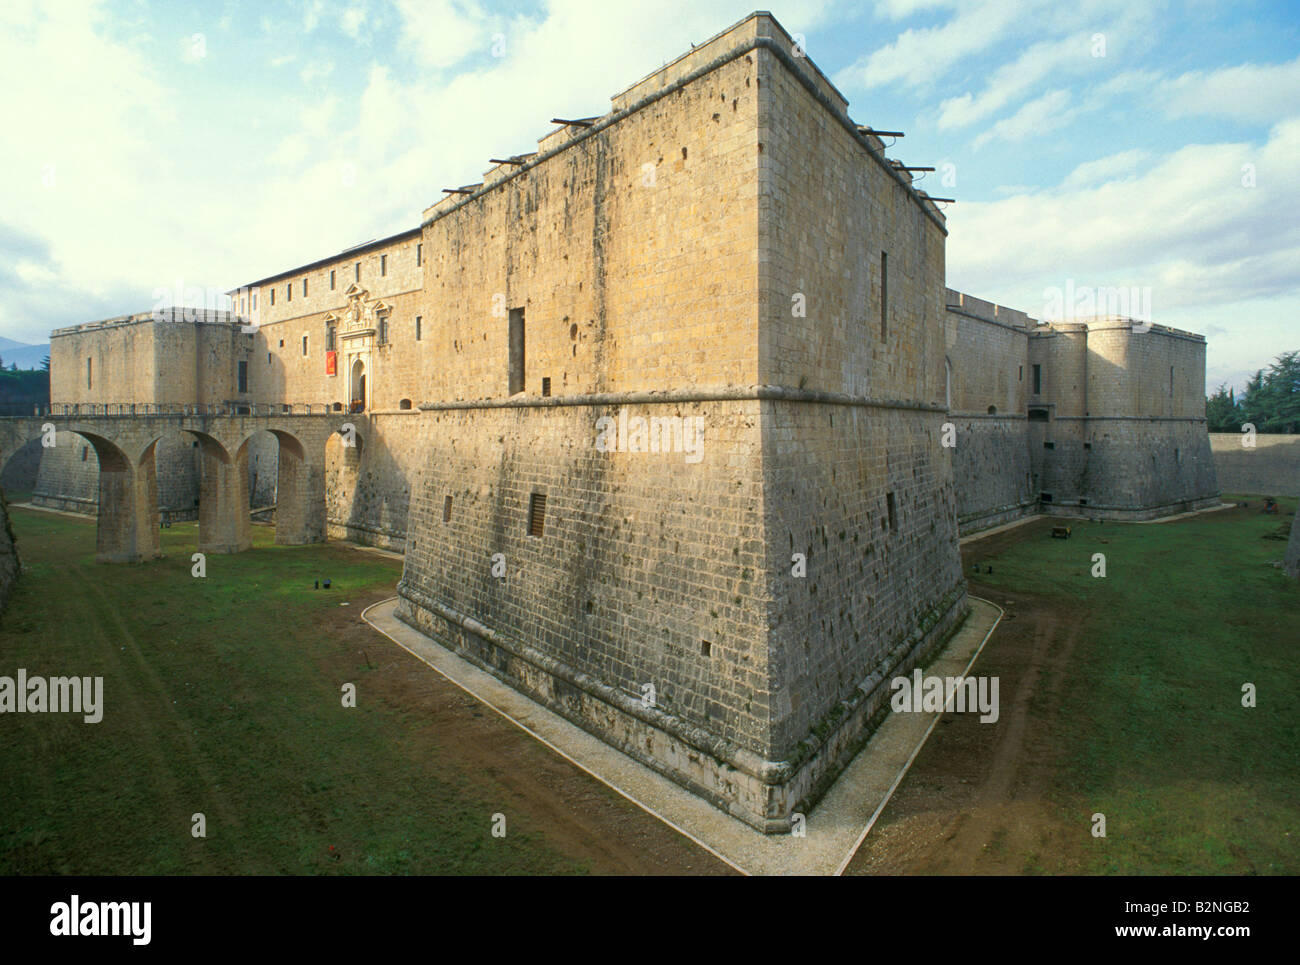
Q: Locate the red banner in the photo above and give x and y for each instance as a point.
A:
(330, 358)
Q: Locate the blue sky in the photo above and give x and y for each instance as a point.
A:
(1091, 143)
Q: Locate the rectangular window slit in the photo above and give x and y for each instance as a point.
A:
(516, 349)
(546, 385)
(884, 295)
(893, 512)
(446, 509)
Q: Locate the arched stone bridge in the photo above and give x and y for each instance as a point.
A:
(128, 486)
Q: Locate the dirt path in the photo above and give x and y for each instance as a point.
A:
(980, 797)
(538, 791)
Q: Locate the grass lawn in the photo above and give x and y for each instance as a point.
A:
(223, 696)
(1153, 731)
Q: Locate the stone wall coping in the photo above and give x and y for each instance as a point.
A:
(764, 393)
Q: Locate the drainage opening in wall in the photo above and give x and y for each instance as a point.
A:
(706, 648)
(537, 514)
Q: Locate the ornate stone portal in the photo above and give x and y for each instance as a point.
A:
(361, 332)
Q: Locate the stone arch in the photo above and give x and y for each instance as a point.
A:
(125, 528)
(222, 491)
(297, 484)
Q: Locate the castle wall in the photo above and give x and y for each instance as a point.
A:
(987, 362)
(855, 430)
(368, 493)
(1271, 468)
(645, 557)
(1126, 436)
(169, 357)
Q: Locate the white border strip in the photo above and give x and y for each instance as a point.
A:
(917, 750)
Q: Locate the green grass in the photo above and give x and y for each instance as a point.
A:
(1153, 729)
(222, 696)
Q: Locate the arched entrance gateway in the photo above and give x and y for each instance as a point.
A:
(357, 387)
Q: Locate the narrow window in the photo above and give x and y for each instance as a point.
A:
(418, 320)
(516, 350)
(419, 255)
(1178, 456)
(242, 309)
(268, 358)
(288, 292)
(331, 279)
(546, 385)
(329, 338)
(383, 330)
(383, 265)
(1020, 374)
(893, 512)
(254, 301)
(281, 343)
(304, 288)
(537, 514)
(243, 376)
(357, 271)
(706, 648)
(89, 368)
(1038, 380)
(304, 345)
(446, 509)
(884, 295)
(1171, 381)
(272, 296)
(85, 452)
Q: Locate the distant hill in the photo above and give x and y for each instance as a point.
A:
(21, 354)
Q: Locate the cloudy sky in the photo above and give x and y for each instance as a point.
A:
(1091, 143)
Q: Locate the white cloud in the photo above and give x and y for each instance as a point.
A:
(1247, 92)
(1183, 225)
(917, 57)
(1107, 168)
(352, 21)
(1042, 115)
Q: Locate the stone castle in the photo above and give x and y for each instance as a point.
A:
(674, 419)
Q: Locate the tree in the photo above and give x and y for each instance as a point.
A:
(1271, 401)
(1222, 413)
